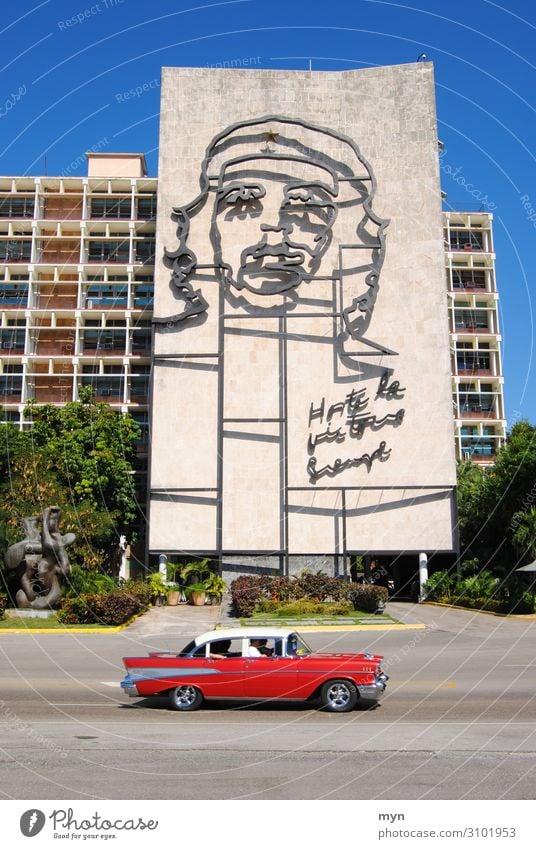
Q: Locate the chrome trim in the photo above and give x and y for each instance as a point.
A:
(129, 687)
(374, 691)
(150, 673)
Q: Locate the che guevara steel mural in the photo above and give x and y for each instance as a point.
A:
(276, 188)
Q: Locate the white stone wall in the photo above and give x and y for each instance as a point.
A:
(275, 364)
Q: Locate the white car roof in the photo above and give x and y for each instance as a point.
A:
(243, 634)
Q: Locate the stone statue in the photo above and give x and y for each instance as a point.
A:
(41, 560)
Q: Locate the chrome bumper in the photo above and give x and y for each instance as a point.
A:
(375, 691)
(127, 684)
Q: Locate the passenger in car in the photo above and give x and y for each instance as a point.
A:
(255, 647)
(220, 649)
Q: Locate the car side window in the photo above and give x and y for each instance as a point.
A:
(200, 651)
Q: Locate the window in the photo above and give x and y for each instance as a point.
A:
(466, 240)
(139, 381)
(108, 384)
(468, 431)
(110, 251)
(141, 337)
(11, 379)
(17, 207)
(109, 338)
(15, 250)
(12, 339)
(471, 319)
(468, 279)
(110, 207)
(143, 292)
(473, 361)
(13, 294)
(478, 447)
(145, 250)
(142, 419)
(476, 403)
(147, 208)
(106, 295)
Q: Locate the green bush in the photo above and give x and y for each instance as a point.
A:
(140, 590)
(304, 607)
(440, 586)
(482, 585)
(118, 607)
(245, 592)
(81, 610)
(320, 586)
(267, 606)
(249, 591)
(82, 581)
(3, 604)
(113, 608)
(367, 596)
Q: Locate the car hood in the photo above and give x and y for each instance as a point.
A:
(361, 656)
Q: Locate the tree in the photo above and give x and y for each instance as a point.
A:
(80, 457)
(525, 532)
(490, 501)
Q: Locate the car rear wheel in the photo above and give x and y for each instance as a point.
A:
(339, 696)
(185, 697)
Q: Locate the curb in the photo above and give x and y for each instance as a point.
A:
(108, 629)
(341, 627)
(524, 616)
(111, 629)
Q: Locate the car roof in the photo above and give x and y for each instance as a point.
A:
(243, 633)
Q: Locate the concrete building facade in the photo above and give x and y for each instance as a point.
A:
(304, 325)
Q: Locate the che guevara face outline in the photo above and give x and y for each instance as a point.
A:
(272, 223)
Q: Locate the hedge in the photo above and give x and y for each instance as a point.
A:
(113, 608)
(3, 604)
(269, 594)
(367, 597)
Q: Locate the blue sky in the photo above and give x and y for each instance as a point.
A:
(66, 65)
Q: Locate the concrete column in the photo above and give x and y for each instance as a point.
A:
(423, 574)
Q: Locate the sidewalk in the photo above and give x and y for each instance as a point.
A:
(182, 620)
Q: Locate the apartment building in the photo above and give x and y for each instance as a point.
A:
(477, 379)
(76, 288)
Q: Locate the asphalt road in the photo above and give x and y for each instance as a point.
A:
(458, 722)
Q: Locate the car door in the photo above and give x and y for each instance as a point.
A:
(270, 677)
(222, 677)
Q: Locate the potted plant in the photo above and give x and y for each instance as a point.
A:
(158, 587)
(173, 588)
(197, 593)
(193, 577)
(215, 587)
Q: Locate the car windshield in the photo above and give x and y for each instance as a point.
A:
(297, 646)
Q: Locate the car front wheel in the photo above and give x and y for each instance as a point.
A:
(185, 697)
(339, 696)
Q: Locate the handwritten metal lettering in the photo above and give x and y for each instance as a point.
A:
(316, 412)
(358, 424)
(327, 436)
(389, 390)
(382, 453)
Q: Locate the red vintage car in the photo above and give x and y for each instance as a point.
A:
(255, 664)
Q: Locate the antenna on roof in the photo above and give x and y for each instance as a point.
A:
(422, 57)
